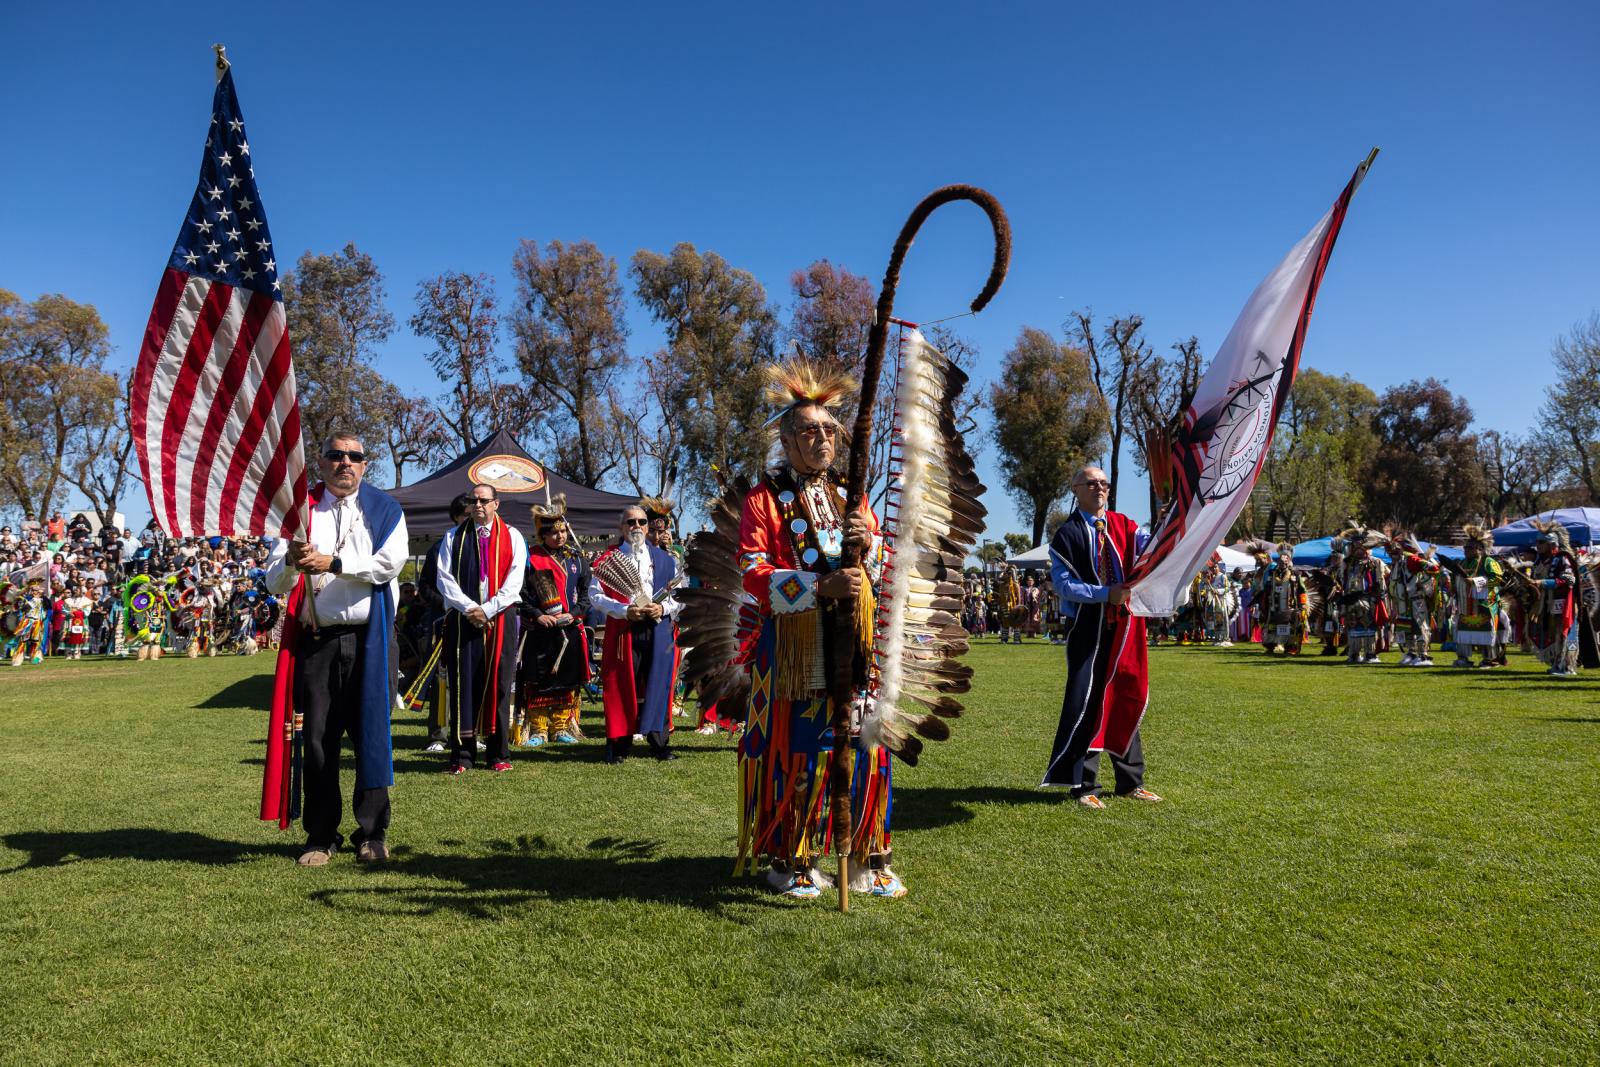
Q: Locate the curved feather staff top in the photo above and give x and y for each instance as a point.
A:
(841, 684)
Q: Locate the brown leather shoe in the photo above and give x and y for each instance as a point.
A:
(315, 857)
(372, 852)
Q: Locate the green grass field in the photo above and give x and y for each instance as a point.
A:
(1352, 865)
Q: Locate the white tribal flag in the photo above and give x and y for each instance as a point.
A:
(1226, 434)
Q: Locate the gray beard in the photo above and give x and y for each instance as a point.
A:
(636, 541)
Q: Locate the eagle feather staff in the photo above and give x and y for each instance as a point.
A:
(924, 376)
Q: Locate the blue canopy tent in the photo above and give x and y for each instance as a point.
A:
(1583, 526)
(1315, 553)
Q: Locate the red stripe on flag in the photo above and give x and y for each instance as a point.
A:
(250, 436)
(276, 473)
(168, 295)
(221, 404)
(183, 392)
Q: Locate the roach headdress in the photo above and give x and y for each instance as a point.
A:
(799, 381)
(656, 507)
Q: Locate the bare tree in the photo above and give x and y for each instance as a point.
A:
(1115, 360)
(651, 437)
(457, 312)
(414, 433)
(1570, 418)
(571, 346)
(1160, 391)
(101, 462)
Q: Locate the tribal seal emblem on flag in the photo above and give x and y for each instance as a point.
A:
(1217, 450)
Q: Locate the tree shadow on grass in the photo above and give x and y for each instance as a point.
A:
(1571, 718)
(57, 849)
(253, 693)
(528, 870)
(928, 808)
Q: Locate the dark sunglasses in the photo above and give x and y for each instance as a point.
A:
(1096, 483)
(336, 454)
(636, 522)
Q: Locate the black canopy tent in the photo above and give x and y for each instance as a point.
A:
(519, 479)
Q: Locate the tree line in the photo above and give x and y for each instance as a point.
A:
(555, 366)
(1408, 456)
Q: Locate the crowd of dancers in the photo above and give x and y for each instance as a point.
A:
(1358, 606)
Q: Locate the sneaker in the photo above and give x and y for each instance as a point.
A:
(638, 737)
(501, 765)
(885, 883)
(708, 729)
(1089, 800)
(455, 768)
(1407, 660)
(315, 857)
(564, 738)
(1461, 661)
(1142, 794)
(482, 747)
(436, 746)
(534, 742)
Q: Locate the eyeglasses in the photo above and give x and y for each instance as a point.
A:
(1095, 483)
(636, 522)
(483, 501)
(336, 454)
(818, 431)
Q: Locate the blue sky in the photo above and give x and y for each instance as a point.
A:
(1157, 158)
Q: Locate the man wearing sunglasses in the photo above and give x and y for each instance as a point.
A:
(638, 659)
(1107, 683)
(480, 578)
(338, 653)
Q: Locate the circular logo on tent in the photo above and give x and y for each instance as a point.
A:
(508, 474)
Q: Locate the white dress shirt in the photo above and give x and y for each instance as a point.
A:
(345, 599)
(618, 609)
(510, 592)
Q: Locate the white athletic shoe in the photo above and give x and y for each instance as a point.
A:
(437, 746)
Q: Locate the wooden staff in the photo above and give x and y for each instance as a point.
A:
(842, 684)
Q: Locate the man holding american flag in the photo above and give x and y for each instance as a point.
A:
(216, 426)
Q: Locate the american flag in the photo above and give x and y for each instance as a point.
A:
(212, 407)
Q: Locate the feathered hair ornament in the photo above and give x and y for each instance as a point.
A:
(1360, 535)
(1477, 536)
(1261, 550)
(550, 514)
(1553, 532)
(656, 507)
(799, 381)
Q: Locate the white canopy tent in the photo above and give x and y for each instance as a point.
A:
(1039, 558)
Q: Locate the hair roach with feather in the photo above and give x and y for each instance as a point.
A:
(800, 381)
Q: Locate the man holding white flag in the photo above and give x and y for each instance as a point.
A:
(1212, 459)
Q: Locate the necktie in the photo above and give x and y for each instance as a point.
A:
(483, 561)
(1102, 552)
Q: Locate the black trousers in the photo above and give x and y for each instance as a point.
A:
(497, 742)
(327, 691)
(1088, 662)
(644, 643)
(1129, 770)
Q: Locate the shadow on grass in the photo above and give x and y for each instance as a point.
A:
(528, 870)
(1571, 718)
(254, 693)
(917, 808)
(51, 849)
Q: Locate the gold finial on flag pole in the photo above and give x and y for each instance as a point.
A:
(222, 59)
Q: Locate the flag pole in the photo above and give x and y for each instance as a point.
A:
(222, 59)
